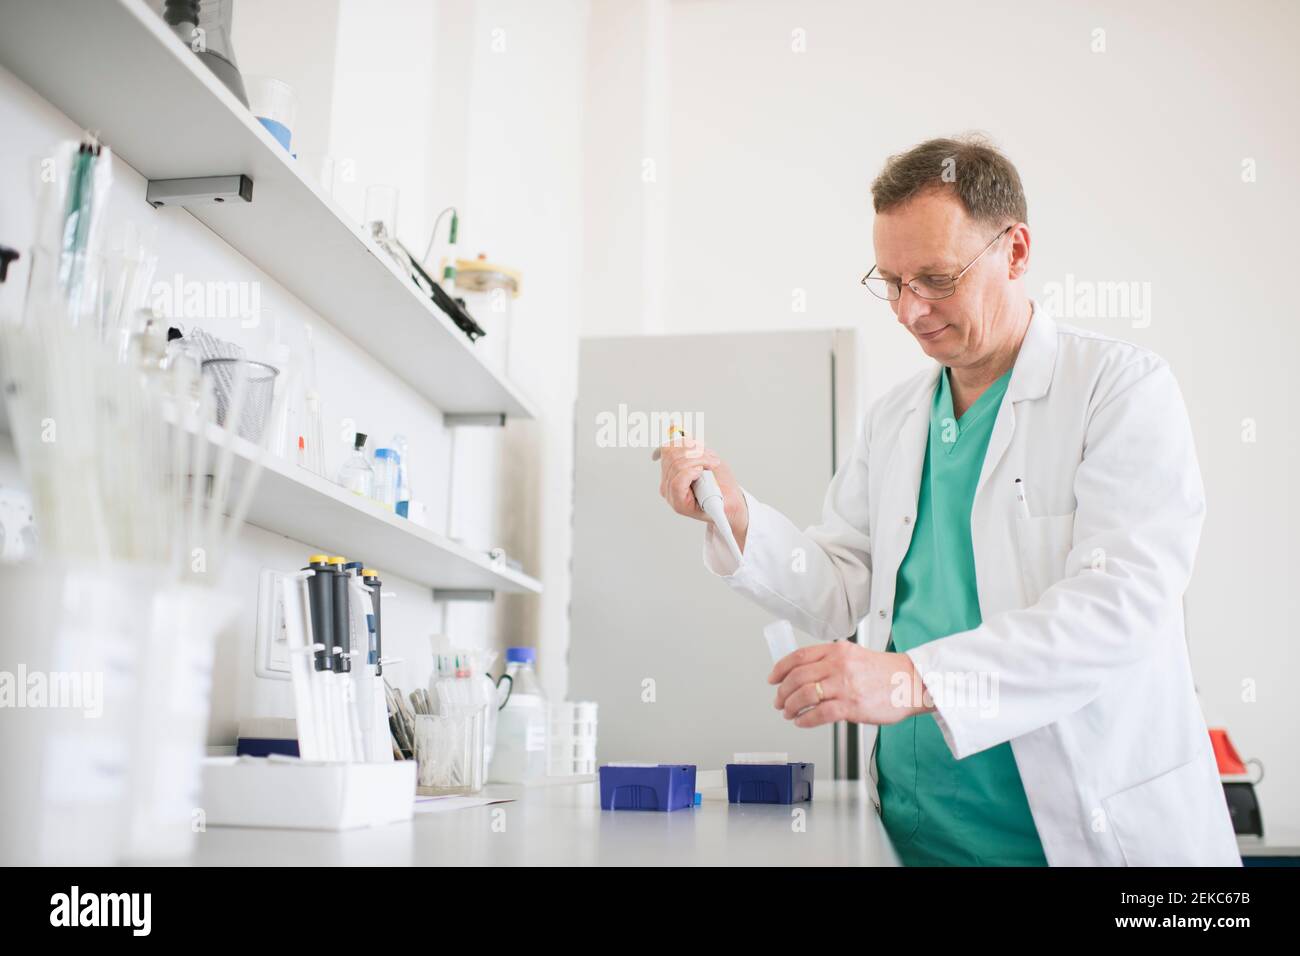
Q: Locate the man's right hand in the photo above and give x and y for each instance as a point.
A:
(681, 462)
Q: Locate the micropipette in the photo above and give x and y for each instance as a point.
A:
(709, 496)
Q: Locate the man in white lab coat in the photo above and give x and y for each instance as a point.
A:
(1014, 531)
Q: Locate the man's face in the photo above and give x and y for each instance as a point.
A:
(931, 234)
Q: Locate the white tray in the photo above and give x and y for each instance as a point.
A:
(289, 793)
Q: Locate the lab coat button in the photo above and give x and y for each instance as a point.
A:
(881, 612)
(907, 519)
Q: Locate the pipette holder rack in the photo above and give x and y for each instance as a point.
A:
(668, 786)
(769, 782)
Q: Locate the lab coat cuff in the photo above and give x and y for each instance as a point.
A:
(955, 708)
(717, 556)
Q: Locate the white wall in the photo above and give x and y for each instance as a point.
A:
(1132, 162)
(523, 207)
(480, 106)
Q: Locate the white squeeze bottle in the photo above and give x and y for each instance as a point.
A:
(522, 724)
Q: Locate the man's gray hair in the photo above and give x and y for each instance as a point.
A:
(983, 179)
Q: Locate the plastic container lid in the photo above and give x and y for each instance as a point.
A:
(522, 655)
(317, 558)
(336, 559)
(387, 453)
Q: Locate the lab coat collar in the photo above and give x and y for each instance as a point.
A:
(1030, 375)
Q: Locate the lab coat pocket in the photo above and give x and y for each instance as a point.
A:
(1044, 545)
(1148, 819)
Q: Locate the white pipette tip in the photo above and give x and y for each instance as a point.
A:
(780, 639)
(768, 757)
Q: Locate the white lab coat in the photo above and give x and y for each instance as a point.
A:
(1081, 601)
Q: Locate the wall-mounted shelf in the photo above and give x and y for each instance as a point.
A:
(301, 505)
(115, 67)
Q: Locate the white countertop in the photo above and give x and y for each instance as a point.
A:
(563, 825)
(1277, 841)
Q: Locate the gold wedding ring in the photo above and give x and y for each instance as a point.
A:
(821, 694)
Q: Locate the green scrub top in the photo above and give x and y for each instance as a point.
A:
(939, 811)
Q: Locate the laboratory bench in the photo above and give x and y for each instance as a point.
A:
(563, 825)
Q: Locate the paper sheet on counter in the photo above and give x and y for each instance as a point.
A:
(454, 802)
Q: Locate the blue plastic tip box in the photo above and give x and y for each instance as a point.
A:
(668, 786)
(769, 782)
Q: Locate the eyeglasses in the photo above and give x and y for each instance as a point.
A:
(927, 287)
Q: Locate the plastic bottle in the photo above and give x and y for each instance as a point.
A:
(403, 477)
(520, 755)
(356, 475)
(386, 465)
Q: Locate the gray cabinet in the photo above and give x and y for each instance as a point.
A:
(676, 660)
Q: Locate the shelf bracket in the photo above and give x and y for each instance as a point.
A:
(199, 191)
(483, 595)
(462, 419)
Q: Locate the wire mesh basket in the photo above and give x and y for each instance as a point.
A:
(257, 380)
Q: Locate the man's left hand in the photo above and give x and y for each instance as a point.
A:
(864, 686)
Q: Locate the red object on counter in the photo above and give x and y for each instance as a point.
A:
(1230, 763)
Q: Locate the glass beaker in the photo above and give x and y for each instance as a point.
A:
(449, 752)
(275, 105)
